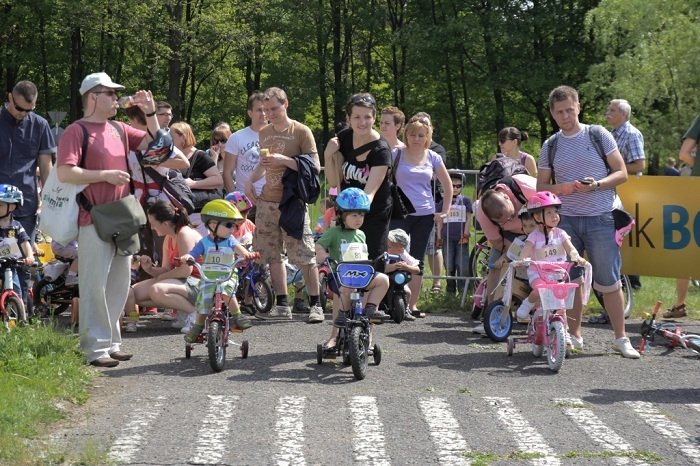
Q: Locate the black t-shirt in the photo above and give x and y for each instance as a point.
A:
(356, 173)
(199, 164)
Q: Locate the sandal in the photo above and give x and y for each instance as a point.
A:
(327, 348)
(675, 312)
(417, 313)
(436, 289)
(601, 319)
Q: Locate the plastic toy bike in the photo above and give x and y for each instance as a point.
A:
(50, 293)
(547, 328)
(395, 300)
(498, 317)
(216, 332)
(672, 333)
(12, 308)
(253, 281)
(353, 338)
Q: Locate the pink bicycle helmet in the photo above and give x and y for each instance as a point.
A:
(541, 200)
(239, 200)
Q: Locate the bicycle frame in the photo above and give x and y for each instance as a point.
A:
(672, 333)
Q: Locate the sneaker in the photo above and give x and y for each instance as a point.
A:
(408, 315)
(300, 307)
(280, 312)
(193, 333)
(341, 320)
(479, 329)
(624, 347)
(130, 326)
(569, 343)
(179, 322)
(170, 314)
(187, 322)
(315, 315)
(675, 312)
(378, 316)
(71, 279)
(576, 342)
(239, 321)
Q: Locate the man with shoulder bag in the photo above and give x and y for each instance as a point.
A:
(93, 151)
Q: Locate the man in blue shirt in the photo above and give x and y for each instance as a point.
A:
(26, 142)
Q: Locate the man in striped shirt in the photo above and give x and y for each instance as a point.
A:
(586, 184)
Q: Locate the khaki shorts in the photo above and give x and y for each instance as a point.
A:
(271, 241)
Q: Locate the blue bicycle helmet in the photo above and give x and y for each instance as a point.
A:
(352, 199)
(10, 194)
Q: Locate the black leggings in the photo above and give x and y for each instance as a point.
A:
(419, 228)
(376, 229)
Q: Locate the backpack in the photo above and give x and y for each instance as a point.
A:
(495, 170)
(596, 135)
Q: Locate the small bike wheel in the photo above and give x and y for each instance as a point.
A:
(244, 349)
(358, 352)
(216, 345)
(188, 351)
(377, 354)
(479, 258)
(556, 349)
(398, 308)
(323, 289)
(511, 346)
(262, 296)
(319, 354)
(693, 343)
(15, 309)
(497, 325)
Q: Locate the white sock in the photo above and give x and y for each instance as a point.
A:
(524, 309)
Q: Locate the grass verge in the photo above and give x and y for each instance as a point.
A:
(40, 367)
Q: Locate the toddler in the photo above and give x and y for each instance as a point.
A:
(396, 245)
(219, 217)
(67, 253)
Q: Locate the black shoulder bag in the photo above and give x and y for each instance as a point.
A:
(401, 204)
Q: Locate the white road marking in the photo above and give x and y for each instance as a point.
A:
(601, 434)
(213, 434)
(666, 427)
(368, 441)
(526, 436)
(131, 437)
(290, 431)
(444, 430)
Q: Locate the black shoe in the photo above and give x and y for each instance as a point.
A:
(602, 318)
(409, 316)
(341, 320)
(378, 316)
(104, 362)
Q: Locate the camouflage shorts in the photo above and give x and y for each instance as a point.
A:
(271, 241)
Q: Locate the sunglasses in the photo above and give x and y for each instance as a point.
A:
(169, 115)
(221, 141)
(457, 186)
(364, 99)
(228, 224)
(20, 109)
(111, 92)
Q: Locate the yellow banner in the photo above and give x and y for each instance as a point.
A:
(665, 242)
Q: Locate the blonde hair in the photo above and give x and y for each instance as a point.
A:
(184, 130)
(416, 124)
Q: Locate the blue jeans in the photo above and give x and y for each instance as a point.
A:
(456, 258)
(596, 237)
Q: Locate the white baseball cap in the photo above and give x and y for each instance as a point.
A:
(98, 79)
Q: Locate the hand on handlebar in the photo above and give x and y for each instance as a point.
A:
(186, 259)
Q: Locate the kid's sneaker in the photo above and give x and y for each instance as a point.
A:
(280, 312)
(239, 321)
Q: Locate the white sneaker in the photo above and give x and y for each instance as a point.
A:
(280, 312)
(180, 321)
(188, 322)
(130, 326)
(315, 315)
(624, 347)
(479, 329)
(576, 342)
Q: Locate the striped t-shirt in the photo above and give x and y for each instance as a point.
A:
(576, 158)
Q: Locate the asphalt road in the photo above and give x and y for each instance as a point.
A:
(441, 395)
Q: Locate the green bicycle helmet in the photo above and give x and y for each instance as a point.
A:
(220, 210)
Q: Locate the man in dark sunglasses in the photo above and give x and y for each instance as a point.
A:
(26, 142)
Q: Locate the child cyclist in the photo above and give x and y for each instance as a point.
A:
(346, 242)
(397, 242)
(244, 229)
(547, 243)
(14, 241)
(219, 246)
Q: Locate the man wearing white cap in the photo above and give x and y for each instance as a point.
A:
(103, 274)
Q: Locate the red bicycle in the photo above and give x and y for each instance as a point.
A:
(672, 333)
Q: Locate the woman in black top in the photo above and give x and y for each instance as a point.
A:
(365, 163)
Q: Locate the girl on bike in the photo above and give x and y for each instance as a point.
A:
(346, 242)
(219, 246)
(547, 243)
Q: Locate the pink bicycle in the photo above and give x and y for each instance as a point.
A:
(547, 327)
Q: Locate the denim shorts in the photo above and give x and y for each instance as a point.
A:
(595, 236)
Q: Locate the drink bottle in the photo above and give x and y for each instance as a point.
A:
(264, 152)
(131, 100)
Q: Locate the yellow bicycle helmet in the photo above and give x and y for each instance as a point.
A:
(220, 210)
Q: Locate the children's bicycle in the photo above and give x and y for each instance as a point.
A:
(216, 332)
(547, 327)
(254, 283)
(672, 333)
(498, 317)
(355, 336)
(11, 305)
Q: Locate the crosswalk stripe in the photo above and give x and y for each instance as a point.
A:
(444, 430)
(368, 442)
(132, 434)
(526, 436)
(290, 431)
(664, 426)
(601, 434)
(210, 445)
(695, 406)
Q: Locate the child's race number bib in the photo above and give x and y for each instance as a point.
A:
(220, 256)
(10, 248)
(550, 252)
(353, 252)
(516, 246)
(457, 213)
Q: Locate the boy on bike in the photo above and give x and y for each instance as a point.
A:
(218, 247)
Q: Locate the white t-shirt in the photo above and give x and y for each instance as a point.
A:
(244, 144)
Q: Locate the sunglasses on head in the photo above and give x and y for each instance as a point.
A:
(365, 99)
(21, 109)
